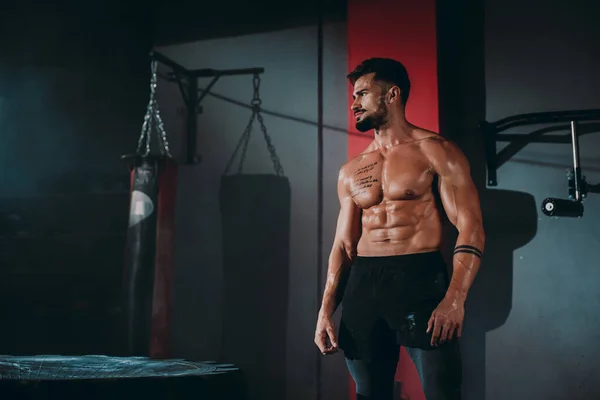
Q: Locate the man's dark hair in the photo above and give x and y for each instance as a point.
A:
(386, 70)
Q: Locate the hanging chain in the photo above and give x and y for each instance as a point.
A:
(256, 102)
(153, 116)
(245, 138)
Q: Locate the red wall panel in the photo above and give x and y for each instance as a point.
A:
(406, 31)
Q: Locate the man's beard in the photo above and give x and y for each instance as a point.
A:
(374, 121)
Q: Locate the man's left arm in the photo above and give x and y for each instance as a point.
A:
(461, 202)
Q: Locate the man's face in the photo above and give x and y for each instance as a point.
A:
(368, 107)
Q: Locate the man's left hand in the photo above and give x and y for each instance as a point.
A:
(446, 321)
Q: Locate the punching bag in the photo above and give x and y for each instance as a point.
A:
(140, 254)
(148, 271)
(255, 216)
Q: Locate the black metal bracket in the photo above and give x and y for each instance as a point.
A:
(190, 94)
(578, 187)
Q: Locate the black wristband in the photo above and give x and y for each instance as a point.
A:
(465, 248)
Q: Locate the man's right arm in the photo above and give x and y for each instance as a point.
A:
(343, 251)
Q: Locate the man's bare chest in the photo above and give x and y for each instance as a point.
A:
(375, 178)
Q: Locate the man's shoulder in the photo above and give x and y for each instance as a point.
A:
(435, 145)
(428, 139)
(442, 152)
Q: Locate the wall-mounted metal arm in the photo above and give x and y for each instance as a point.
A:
(576, 168)
(192, 98)
(489, 143)
(492, 134)
(578, 186)
(169, 63)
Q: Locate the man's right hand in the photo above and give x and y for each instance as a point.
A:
(325, 337)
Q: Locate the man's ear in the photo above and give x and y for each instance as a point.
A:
(393, 95)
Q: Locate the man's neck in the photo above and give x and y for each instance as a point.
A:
(394, 133)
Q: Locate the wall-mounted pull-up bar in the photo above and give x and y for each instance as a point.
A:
(578, 187)
(187, 79)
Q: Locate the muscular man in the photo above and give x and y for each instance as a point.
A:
(385, 263)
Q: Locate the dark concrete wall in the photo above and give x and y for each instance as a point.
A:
(543, 56)
(531, 329)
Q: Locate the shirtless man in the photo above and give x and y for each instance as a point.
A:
(385, 262)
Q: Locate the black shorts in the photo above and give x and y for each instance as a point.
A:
(390, 299)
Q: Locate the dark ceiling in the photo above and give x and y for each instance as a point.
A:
(62, 32)
(183, 20)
